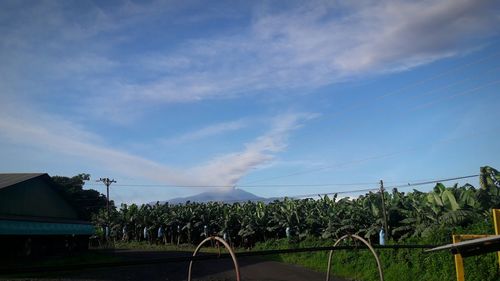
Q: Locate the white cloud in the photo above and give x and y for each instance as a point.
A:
(66, 139)
(228, 169)
(208, 131)
(313, 45)
(62, 51)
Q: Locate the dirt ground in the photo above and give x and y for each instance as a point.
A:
(251, 268)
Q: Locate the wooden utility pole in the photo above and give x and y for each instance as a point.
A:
(382, 195)
(107, 182)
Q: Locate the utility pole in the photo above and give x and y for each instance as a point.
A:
(107, 182)
(383, 207)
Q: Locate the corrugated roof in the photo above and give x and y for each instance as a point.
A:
(11, 179)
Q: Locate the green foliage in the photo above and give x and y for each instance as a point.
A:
(401, 264)
(86, 201)
(428, 216)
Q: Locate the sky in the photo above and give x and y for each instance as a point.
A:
(279, 98)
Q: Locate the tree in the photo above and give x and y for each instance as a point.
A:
(86, 201)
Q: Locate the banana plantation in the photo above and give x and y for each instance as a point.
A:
(410, 215)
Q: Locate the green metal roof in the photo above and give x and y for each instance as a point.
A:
(17, 227)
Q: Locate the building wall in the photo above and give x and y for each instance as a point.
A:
(34, 197)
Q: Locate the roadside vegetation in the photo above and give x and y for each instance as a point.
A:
(401, 264)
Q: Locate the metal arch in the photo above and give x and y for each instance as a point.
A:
(379, 265)
(233, 256)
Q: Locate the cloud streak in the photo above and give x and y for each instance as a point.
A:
(278, 51)
(208, 131)
(228, 169)
(314, 45)
(67, 140)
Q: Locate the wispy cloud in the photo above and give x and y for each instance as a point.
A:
(278, 50)
(313, 45)
(228, 169)
(208, 131)
(66, 139)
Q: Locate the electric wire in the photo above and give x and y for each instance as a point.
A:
(354, 191)
(461, 81)
(408, 184)
(433, 181)
(231, 186)
(442, 74)
(319, 194)
(402, 89)
(381, 156)
(375, 157)
(462, 93)
(417, 83)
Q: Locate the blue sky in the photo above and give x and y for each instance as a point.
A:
(249, 93)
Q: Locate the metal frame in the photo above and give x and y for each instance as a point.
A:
(459, 262)
(496, 225)
(231, 252)
(379, 265)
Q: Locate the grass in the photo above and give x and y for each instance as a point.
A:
(145, 246)
(402, 264)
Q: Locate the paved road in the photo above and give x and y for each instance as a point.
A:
(251, 268)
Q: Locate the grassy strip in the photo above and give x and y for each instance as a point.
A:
(145, 246)
(401, 264)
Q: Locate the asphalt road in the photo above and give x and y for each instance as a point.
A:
(251, 268)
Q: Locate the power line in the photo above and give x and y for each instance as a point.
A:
(241, 186)
(433, 181)
(402, 89)
(310, 195)
(333, 193)
(408, 184)
(462, 93)
(461, 81)
(417, 83)
(381, 156)
(441, 74)
(395, 186)
(319, 194)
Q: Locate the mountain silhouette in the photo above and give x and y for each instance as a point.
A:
(227, 195)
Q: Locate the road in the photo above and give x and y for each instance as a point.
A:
(251, 268)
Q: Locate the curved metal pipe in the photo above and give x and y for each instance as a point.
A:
(231, 252)
(379, 265)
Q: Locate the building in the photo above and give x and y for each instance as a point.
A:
(36, 218)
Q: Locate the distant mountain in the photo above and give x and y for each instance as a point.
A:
(229, 196)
